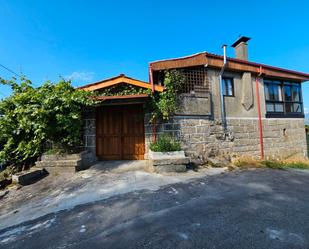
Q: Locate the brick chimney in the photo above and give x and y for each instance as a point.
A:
(241, 48)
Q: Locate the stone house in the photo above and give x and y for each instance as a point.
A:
(227, 106)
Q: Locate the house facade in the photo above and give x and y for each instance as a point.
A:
(226, 107)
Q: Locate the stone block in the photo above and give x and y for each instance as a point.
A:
(191, 122)
(88, 113)
(148, 128)
(233, 122)
(160, 128)
(188, 130)
(59, 163)
(170, 168)
(67, 162)
(176, 161)
(168, 127)
(29, 177)
(205, 121)
(166, 155)
(241, 135)
(176, 126)
(202, 129)
(90, 123)
(238, 129)
(90, 141)
(89, 131)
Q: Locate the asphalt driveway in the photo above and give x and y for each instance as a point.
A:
(240, 209)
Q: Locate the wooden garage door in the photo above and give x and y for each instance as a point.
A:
(120, 132)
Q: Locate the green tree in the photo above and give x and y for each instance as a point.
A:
(31, 116)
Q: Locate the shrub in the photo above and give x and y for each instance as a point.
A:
(32, 116)
(165, 144)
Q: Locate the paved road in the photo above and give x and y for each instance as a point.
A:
(248, 209)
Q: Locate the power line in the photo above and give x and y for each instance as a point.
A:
(10, 70)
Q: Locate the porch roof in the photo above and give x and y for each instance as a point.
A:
(119, 97)
(120, 79)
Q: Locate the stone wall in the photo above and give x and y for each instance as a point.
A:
(282, 138)
(202, 137)
(89, 130)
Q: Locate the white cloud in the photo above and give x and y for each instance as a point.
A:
(306, 110)
(80, 76)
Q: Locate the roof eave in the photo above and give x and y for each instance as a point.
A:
(119, 80)
(216, 61)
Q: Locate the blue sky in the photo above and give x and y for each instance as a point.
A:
(91, 40)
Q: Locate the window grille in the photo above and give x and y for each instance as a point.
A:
(194, 76)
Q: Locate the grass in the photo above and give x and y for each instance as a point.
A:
(246, 163)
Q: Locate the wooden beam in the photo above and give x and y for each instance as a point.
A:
(120, 80)
(133, 96)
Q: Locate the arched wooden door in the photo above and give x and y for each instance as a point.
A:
(120, 132)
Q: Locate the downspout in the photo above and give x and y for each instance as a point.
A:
(259, 113)
(221, 89)
(154, 123)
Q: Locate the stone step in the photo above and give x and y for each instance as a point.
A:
(170, 161)
(59, 163)
(61, 157)
(55, 170)
(170, 168)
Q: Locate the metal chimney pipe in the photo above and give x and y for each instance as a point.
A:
(224, 54)
(221, 88)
